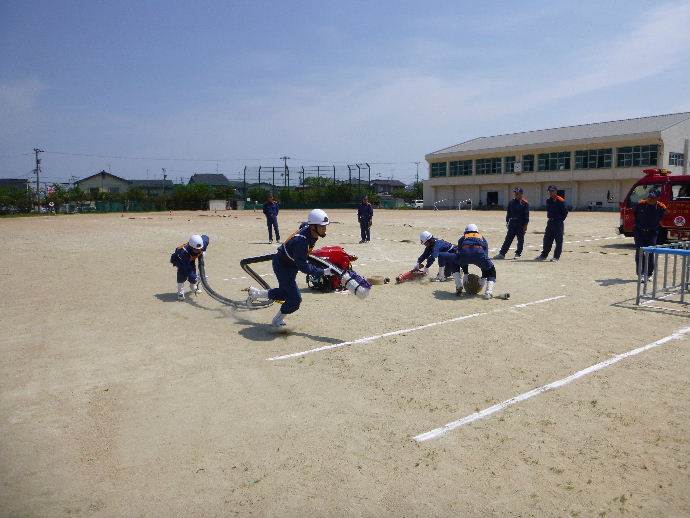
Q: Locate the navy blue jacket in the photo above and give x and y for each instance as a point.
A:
(648, 217)
(185, 256)
(433, 248)
(296, 249)
(365, 212)
(518, 212)
(473, 242)
(555, 209)
(271, 209)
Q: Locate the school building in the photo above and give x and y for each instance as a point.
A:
(593, 165)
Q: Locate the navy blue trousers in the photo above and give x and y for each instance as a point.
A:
(554, 232)
(272, 222)
(365, 230)
(514, 230)
(287, 290)
(642, 239)
(187, 273)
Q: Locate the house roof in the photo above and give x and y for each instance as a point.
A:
(151, 184)
(13, 182)
(210, 179)
(597, 130)
(104, 173)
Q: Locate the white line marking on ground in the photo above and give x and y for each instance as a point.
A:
(410, 330)
(438, 432)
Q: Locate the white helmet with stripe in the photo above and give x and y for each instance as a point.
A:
(425, 236)
(196, 242)
(318, 217)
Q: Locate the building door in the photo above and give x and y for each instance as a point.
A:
(492, 198)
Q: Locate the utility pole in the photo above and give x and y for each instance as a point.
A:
(417, 176)
(165, 177)
(38, 172)
(285, 169)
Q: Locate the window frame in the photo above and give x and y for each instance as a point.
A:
(439, 169)
(460, 168)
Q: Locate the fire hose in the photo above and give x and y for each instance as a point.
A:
(349, 278)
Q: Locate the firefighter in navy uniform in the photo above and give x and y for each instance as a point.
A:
(517, 219)
(290, 259)
(184, 259)
(270, 210)
(472, 249)
(556, 212)
(648, 215)
(433, 247)
(365, 215)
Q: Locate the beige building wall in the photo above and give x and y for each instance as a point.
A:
(675, 140)
(582, 186)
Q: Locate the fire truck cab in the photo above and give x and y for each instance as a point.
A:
(674, 192)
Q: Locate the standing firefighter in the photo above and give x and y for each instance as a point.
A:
(517, 219)
(270, 210)
(556, 211)
(433, 247)
(184, 259)
(365, 215)
(648, 214)
(290, 259)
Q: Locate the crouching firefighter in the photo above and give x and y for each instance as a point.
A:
(433, 247)
(290, 259)
(473, 249)
(184, 259)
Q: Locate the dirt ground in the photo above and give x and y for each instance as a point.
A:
(118, 400)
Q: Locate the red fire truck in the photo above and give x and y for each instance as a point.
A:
(674, 192)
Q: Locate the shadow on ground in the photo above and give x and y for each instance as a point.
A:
(614, 282)
(262, 332)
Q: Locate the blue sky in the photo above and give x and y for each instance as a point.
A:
(234, 83)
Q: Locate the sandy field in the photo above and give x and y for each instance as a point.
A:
(118, 400)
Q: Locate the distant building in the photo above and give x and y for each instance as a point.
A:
(592, 164)
(20, 184)
(152, 187)
(212, 180)
(103, 182)
(386, 186)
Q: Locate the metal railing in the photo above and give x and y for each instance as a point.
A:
(671, 276)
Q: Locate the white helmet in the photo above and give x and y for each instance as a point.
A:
(471, 228)
(318, 217)
(425, 236)
(196, 242)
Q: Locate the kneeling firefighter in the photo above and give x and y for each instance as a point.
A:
(472, 249)
(290, 259)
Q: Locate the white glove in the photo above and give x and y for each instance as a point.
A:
(328, 271)
(417, 266)
(440, 275)
(425, 270)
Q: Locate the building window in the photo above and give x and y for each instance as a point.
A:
(593, 158)
(438, 169)
(527, 163)
(681, 191)
(510, 164)
(676, 159)
(461, 168)
(489, 165)
(554, 161)
(113, 190)
(93, 191)
(633, 156)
